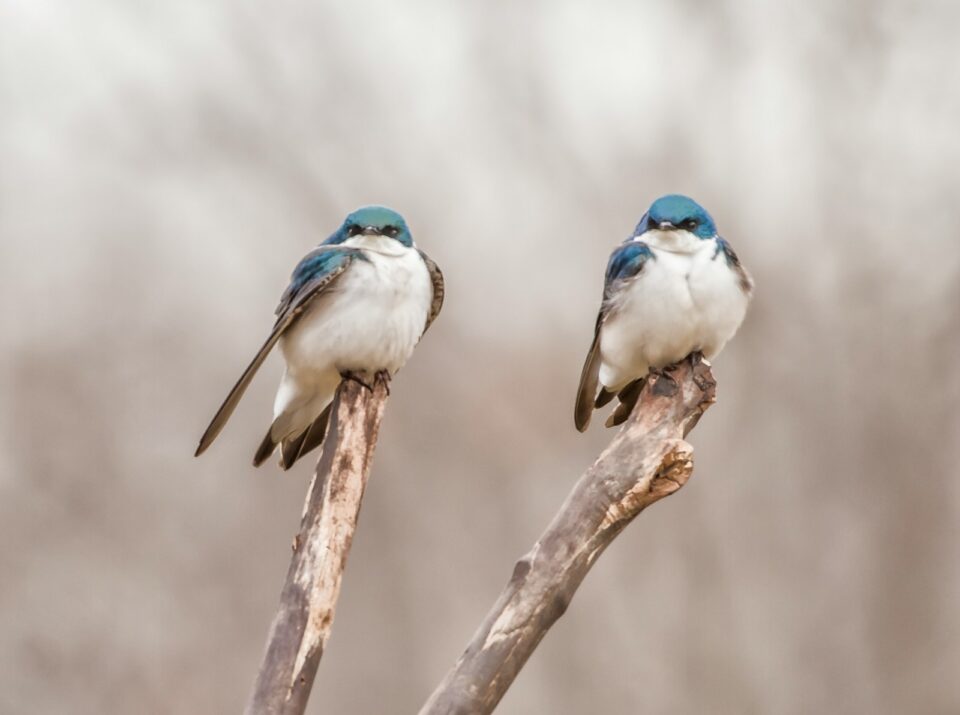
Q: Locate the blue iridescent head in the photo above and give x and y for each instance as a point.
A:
(675, 212)
(373, 221)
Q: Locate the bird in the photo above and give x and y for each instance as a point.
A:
(355, 308)
(673, 288)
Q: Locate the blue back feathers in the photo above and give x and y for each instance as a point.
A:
(679, 212)
(727, 251)
(627, 261)
(379, 217)
(318, 262)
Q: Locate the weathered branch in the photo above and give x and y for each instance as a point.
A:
(645, 462)
(309, 597)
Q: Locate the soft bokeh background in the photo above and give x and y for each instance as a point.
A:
(164, 165)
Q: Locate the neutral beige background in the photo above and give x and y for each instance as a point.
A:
(164, 165)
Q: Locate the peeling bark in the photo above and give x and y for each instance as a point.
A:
(646, 461)
(309, 597)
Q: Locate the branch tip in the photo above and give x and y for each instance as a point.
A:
(645, 461)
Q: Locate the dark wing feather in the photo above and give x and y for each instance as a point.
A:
(625, 263)
(589, 378)
(436, 278)
(743, 278)
(313, 276)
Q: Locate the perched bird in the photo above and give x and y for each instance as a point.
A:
(356, 306)
(673, 288)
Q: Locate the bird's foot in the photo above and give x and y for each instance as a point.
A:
(702, 377)
(380, 377)
(664, 383)
(664, 372)
(383, 377)
(357, 378)
(694, 358)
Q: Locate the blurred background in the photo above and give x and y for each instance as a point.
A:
(164, 165)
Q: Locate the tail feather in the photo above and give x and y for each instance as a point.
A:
(314, 436)
(628, 397)
(603, 397)
(265, 449)
(290, 449)
(292, 446)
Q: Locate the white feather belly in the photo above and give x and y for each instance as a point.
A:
(678, 303)
(370, 320)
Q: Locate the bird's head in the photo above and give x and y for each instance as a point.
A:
(374, 222)
(676, 213)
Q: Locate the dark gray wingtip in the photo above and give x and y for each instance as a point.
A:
(219, 420)
(581, 421)
(583, 409)
(589, 379)
(213, 429)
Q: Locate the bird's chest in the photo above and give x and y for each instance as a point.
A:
(709, 279)
(371, 320)
(390, 283)
(657, 314)
(686, 286)
(677, 304)
(718, 297)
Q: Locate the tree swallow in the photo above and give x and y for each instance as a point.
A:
(673, 288)
(356, 306)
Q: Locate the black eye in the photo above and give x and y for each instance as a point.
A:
(391, 231)
(689, 224)
(353, 229)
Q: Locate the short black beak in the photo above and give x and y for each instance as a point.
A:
(370, 231)
(661, 225)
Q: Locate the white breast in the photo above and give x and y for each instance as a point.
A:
(682, 301)
(370, 319)
(719, 298)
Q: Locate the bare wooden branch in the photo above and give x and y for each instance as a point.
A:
(646, 461)
(309, 597)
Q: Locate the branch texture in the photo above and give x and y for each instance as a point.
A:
(309, 597)
(648, 460)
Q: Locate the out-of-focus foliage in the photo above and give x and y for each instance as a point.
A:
(164, 165)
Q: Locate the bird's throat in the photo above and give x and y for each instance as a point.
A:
(673, 241)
